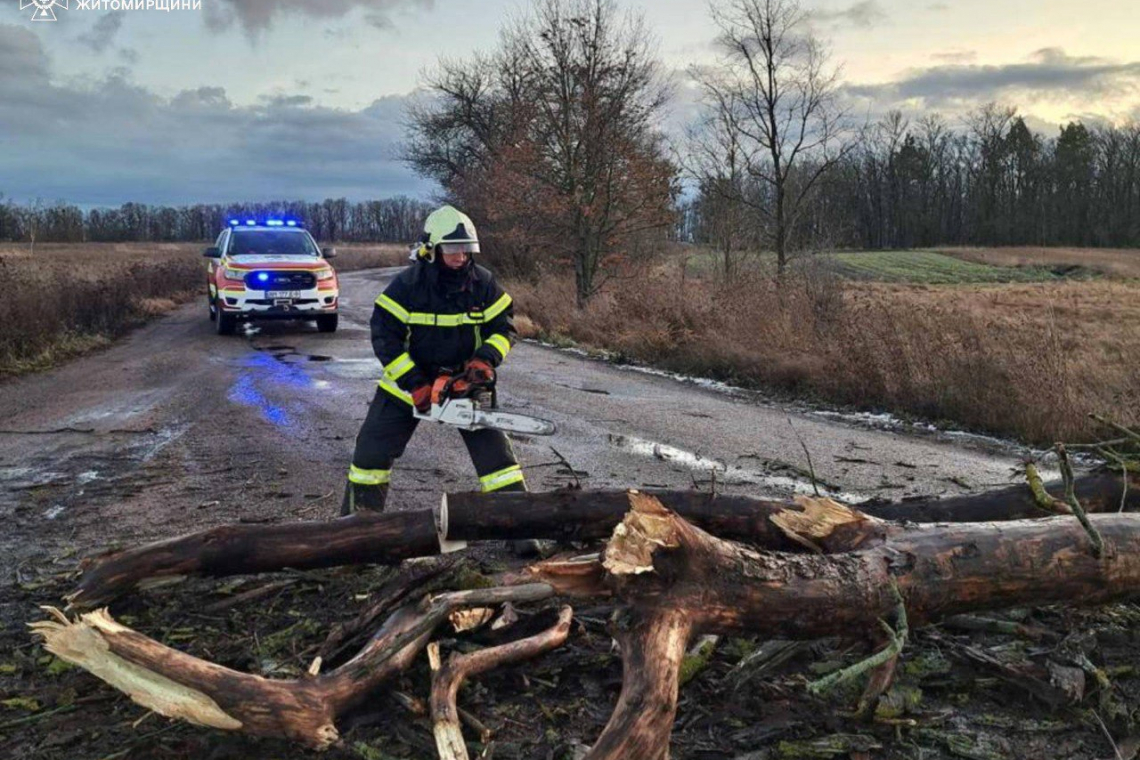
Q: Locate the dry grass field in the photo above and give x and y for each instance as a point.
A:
(1029, 360)
(1121, 263)
(68, 298)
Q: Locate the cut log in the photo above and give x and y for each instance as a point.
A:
(387, 538)
(673, 580)
(575, 515)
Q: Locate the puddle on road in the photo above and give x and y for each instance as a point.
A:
(725, 474)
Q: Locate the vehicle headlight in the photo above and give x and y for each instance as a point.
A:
(233, 274)
(325, 274)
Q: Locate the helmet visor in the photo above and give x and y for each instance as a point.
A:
(458, 248)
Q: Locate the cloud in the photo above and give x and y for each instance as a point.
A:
(102, 34)
(255, 16)
(864, 15)
(21, 55)
(112, 141)
(955, 57)
(1050, 75)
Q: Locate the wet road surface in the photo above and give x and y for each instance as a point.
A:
(176, 428)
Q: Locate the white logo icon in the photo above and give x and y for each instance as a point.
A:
(43, 8)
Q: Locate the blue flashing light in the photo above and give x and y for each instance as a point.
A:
(265, 222)
(262, 276)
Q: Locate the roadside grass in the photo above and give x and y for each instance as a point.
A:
(931, 268)
(67, 299)
(1123, 263)
(1028, 360)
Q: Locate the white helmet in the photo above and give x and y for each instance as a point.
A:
(450, 228)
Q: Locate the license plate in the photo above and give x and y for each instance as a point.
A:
(283, 294)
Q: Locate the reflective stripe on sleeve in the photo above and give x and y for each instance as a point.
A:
(390, 386)
(393, 308)
(501, 344)
(497, 308)
(399, 366)
(368, 477)
(501, 479)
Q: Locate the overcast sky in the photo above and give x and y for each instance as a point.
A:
(260, 99)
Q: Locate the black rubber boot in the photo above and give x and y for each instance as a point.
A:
(360, 498)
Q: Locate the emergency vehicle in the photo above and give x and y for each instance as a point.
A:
(270, 269)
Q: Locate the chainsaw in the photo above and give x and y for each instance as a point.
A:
(468, 405)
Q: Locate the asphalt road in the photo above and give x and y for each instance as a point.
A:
(176, 428)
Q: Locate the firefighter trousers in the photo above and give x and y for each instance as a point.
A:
(389, 426)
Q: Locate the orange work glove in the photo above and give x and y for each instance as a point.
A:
(479, 371)
(421, 398)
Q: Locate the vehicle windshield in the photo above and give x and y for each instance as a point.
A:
(282, 242)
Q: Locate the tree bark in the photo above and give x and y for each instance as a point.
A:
(386, 538)
(179, 685)
(672, 580)
(447, 677)
(576, 515)
(389, 538)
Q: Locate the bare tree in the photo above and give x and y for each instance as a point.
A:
(776, 90)
(552, 138)
(713, 158)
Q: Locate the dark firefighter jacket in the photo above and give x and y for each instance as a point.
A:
(427, 320)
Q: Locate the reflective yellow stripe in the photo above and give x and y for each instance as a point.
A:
(441, 320)
(504, 477)
(445, 320)
(368, 477)
(501, 344)
(390, 385)
(497, 308)
(393, 308)
(399, 366)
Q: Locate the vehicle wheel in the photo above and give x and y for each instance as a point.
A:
(226, 324)
(327, 322)
(212, 308)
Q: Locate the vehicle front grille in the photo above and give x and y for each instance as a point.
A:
(280, 280)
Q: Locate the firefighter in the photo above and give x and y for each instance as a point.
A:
(442, 314)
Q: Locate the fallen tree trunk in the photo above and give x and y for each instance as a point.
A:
(672, 580)
(678, 580)
(179, 685)
(577, 515)
(387, 538)
(569, 515)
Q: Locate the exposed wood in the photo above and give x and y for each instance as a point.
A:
(672, 580)
(653, 643)
(388, 538)
(576, 515)
(448, 676)
(179, 685)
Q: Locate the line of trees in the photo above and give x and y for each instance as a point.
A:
(989, 180)
(551, 141)
(396, 220)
